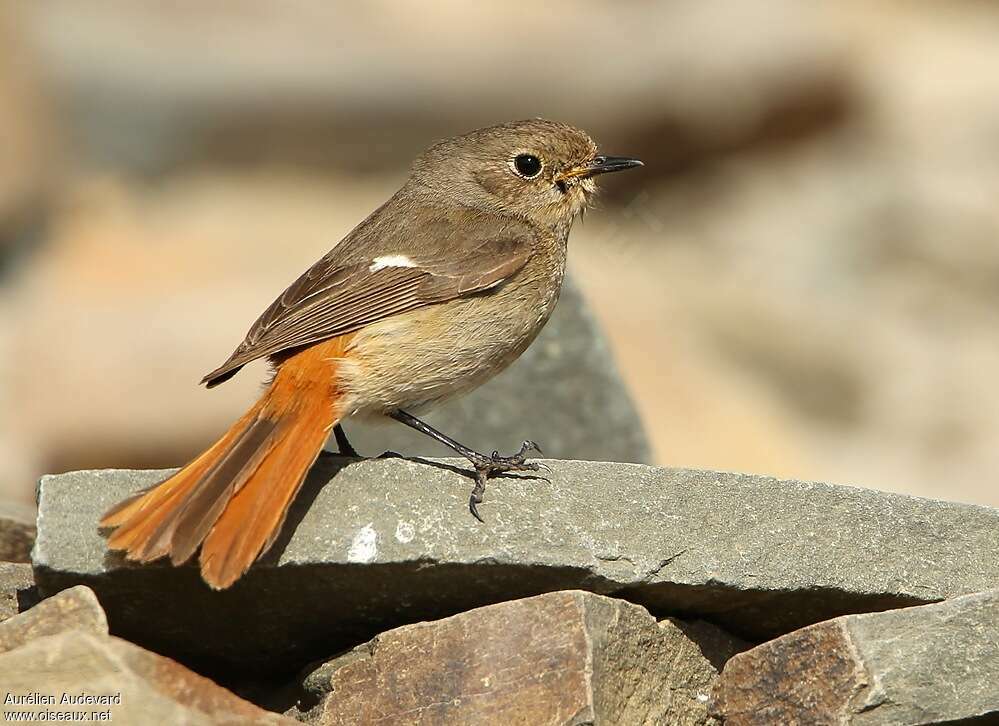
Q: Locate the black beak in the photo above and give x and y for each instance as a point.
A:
(605, 164)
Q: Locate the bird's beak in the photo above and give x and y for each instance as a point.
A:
(599, 165)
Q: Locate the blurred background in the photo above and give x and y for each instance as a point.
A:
(803, 281)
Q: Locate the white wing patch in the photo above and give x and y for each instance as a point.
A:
(390, 261)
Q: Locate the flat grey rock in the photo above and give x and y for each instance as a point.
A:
(373, 544)
(920, 665)
(565, 393)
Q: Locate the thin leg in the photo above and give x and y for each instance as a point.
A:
(342, 444)
(485, 466)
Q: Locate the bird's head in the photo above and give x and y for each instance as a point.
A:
(542, 171)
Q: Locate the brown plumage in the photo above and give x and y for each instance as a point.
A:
(437, 291)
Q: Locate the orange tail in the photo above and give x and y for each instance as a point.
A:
(233, 498)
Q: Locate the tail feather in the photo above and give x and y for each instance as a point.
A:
(141, 516)
(253, 519)
(205, 505)
(232, 499)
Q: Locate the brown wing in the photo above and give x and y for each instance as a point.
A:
(347, 290)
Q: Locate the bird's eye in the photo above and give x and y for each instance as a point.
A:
(527, 165)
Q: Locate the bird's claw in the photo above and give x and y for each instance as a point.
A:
(498, 464)
(476, 496)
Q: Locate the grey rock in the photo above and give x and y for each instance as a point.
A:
(373, 544)
(17, 531)
(73, 609)
(563, 658)
(920, 665)
(17, 589)
(565, 393)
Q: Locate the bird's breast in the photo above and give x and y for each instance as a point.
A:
(422, 357)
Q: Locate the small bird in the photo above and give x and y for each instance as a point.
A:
(440, 289)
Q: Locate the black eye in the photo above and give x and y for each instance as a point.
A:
(527, 165)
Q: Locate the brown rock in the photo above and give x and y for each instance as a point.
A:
(17, 588)
(921, 665)
(74, 609)
(137, 686)
(17, 531)
(809, 674)
(567, 657)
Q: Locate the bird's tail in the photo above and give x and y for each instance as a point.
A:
(232, 499)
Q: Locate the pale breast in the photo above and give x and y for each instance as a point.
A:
(420, 358)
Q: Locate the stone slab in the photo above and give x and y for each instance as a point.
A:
(568, 657)
(921, 665)
(374, 544)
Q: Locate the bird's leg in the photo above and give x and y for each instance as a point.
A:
(342, 444)
(485, 466)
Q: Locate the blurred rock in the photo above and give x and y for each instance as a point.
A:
(839, 295)
(640, 72)
(17, 531)
(597, 660)
(138, 687)
(921, 665)
(73, 609)
(17, 589)
(27, 138)
(373, 544)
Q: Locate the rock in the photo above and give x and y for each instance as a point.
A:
(712, 642)
(920, 665)
(374, 544)
(306, 103)
(29, 139)
(579, 406)
(567, 657)
(73, 609)
(17, 589)
(133, 685)
(17, 531)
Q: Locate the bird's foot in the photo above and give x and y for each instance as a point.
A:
(487, 466)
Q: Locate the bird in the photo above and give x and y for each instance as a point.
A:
(434, 293)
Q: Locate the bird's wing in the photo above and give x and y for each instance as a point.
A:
(361, 282)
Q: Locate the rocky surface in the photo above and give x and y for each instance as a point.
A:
(375, 544)
(17, 531)
(74, 609)
(930, 664)
(17, 589)
(139, 687)
(563, 658)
